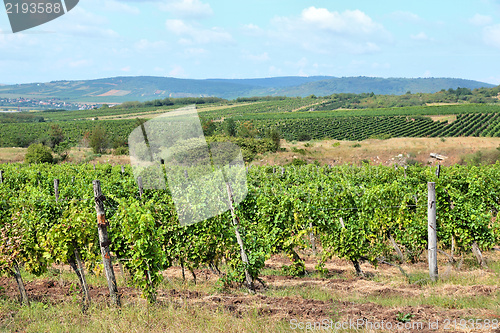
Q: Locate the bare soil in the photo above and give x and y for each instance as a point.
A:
(344, 296)
(386, 152)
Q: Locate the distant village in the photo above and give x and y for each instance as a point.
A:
(27, 104)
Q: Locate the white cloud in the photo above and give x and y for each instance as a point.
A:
(252, 29)
(256, 57)
(322, 31)
(406, 17)
(80, 63)
(81, 22)
(187, 8)
(115, 6)
(350, 21)
(194, 34)
(146, 45)
(177, 71)
(377, 65)
(480, 20)
(420, 36)
(491, 35)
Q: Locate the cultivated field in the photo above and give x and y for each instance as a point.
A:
(464, 291)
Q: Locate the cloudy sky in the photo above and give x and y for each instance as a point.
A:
(259, 38)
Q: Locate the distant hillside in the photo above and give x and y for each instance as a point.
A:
(379, 86)
(142, 88)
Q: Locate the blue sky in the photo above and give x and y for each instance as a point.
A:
(246, 39)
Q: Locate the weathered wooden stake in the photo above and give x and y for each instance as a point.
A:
(102, 228)
(312, 238)
(123, 170)
(56, 189)
(139, 184)
(236, 225)
(78, 268)
(431, 229)
(20, 284)
(1, 176)
(478, 254)
(396, 247)
(438, 170)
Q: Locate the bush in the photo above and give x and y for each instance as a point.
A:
(98, 140)
(480, 158)
(120, 151)
(38, 153)
(297, 162)
(230, 127)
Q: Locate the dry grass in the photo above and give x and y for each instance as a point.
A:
(386, 152)
(450, 118)
(12, 155)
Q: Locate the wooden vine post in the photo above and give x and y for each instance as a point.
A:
(102, 228)
(431, 229)
(1, 176)
(139, 184)
(20, 284)
(56, 189)
(236, 224)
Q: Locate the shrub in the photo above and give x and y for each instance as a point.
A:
(121, 151)
(98, 140)
(38, 153)
(480, 157)
(298, 162)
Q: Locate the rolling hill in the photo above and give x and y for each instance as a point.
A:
(142, 88)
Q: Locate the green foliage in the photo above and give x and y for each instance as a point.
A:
(98, 140)
(481, 157)
(280, 211)
(56, 135)
(208, 127)
(38, 153)
(230, 127)
(404, 318)
(121, 151)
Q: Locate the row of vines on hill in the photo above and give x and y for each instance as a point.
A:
(353, 212)
(295, 119)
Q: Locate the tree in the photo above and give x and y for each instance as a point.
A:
(209, 127)
(274, 134)
(38, 153)
(98, 140)
(56, 135)
(230, 127)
